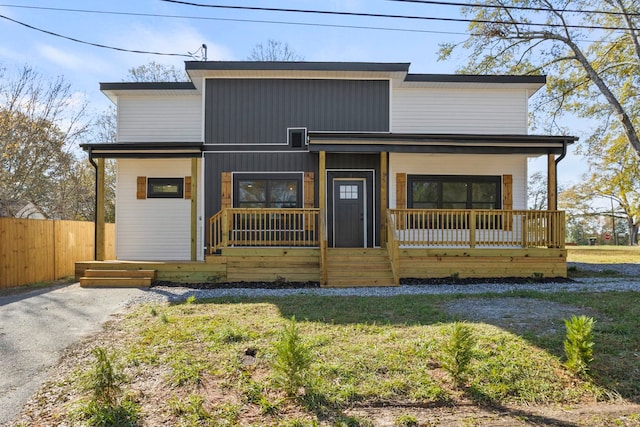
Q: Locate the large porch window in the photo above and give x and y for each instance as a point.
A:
(260, 191)
(454, 192)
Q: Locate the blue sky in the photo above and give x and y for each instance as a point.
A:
(229, 35)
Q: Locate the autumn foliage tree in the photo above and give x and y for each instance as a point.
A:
(41, 121)
(590, 49)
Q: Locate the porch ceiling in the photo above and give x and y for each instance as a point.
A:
(438, 143)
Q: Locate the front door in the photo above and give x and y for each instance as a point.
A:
(349, 213)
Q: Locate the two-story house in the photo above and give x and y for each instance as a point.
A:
(343, 173)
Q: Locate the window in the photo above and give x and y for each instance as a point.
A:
(260, 191)
(165, 188)
(454, 192)
(297, 137)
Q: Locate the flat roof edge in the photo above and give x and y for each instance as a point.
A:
(296, 66)
(147, 86)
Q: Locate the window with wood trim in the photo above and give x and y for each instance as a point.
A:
(454, 192)
(267, 191)
(165, 188)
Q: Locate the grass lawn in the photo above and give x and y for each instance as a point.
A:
(212, 362)
(603, 254)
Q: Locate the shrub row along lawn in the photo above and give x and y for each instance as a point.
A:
(212, 362)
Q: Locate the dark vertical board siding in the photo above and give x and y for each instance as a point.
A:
(260, 110)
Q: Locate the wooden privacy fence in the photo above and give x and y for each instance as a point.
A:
(33, 250)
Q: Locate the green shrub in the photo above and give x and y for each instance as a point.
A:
(292, 361)
(407, 421)
(107, 407)
(104, 379)
(458, 351)
(578, 345)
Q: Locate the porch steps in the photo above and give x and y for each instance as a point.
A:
(358, 267)
(117, 278)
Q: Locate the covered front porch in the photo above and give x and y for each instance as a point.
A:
(418, 243)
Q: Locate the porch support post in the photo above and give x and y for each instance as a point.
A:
(194, 209)
(100, 228)
(384, 176)
(552, 201)
(322, 200)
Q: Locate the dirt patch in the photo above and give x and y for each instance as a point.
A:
(516, 314)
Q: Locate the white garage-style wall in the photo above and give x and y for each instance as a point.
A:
(459, 110)
(160, 118)
(154, 229)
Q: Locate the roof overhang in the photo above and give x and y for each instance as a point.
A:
(438, 143)
(113, 90)
(144, 150)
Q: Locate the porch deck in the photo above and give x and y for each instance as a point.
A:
(255, 245)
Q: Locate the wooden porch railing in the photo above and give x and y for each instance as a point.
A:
(263, 227)
(474, 228)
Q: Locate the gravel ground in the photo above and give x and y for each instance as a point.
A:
(171, 294)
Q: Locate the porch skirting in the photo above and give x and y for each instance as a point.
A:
(304, 265)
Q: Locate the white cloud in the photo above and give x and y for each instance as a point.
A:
(178, 39)
(70, 59)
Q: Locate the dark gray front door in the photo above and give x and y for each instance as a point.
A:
(349, 215)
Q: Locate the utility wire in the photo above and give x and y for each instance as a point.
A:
(382, 15)
(31, 27)
(255, 21)
(530, 8)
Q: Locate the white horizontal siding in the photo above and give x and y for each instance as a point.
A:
(152, 229)
(160, 119)
(461, 164)
(468, 111)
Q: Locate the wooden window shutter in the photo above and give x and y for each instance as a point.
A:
(226, 190)
(507, 192)
(187, 187)
(507, 200)
(141, 191)
(401, 191)
(309, 196)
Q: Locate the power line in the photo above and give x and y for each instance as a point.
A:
(384, 15)
(31, 27)
(254, 21)
(506, 7)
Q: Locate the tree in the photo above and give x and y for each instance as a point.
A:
(590, 49)
(40, 123)
(615, 175)
(537, 191)
(274, 51)
(156, 72)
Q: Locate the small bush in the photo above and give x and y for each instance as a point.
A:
(292, 361)
(458, 351)
(407, 421)
(104, 379)
(107, 407)
(578, 345)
